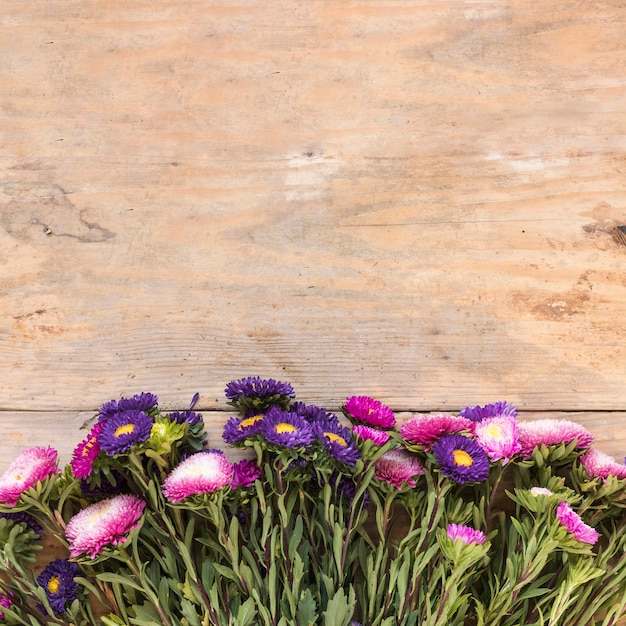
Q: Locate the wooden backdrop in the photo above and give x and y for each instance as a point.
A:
(419, 201)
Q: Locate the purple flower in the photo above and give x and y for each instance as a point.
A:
(86, 452)
(498, 437)
(497, 409)
(398, 468)
(245, 473)
(574, 525)
(600, 465)
(105, 523)
(311, 412)
(57, 580)
(337, 441)
(185, 417)
(379, 437)
(256, 387)
(237, 430)
(425, 429)
(201, 473)
(366, 410)
(23, 518)
(27, 469)
(551, 432)
(466, 534)
(5, 602)
(286, 429)
(121, 432)
(461, 459)
(140, 402)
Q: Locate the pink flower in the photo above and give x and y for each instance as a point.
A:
(86, 452)
(5, 602)
(425, 429)
(551, 432)
(398, 468)
(245, 473)
(540, 491)
(369, 411)
(498, 437)
(574, 525)
(200, 473)
(600, 465)
(105, 523)
(466, 534)
(27, 469)
(379, 437)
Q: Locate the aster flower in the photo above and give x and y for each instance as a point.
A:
(140, 402)
(574, 525)
(366, 410)
(551, 432)
(103, 524)
(497, 409)
(57, 580)
(28, 468)
(24, 518)
(201, 473)
(461, 459)
(398, 468)
(379, 437)
(258, 393)
(121, 432)
(186, 417)
(541, 491)
(86, 452)
(311, 412)
(236, 430)
(245, 473)
(286, 429)
(5, 602)
(425, 429)
(337, 441)
(600, 465)
(466, 534)
(498, 437)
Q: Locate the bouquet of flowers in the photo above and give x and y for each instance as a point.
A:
(330, 519)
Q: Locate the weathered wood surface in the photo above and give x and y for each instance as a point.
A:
(413, 200)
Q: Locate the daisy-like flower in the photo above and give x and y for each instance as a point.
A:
(398, 468)
(461, 459)
(600, 465)
(379, 437)
(551, 432)
(237, 430)
(466, 534)
(286, 429)
(497, 409)
(140, 402)
(57, 580)
(258, 393)
(24, 518)
(369, 411)
(337, 441)
(28, 468)
(121, 432)
(425, 429)
(574, 525)
(105, 523)
(201, 473)
(245, 473)
(498, 436)
(311, 412)
(86, 452)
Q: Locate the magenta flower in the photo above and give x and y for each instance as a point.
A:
(201, 473)
(28, 468)
(574, 525)
(425, 429)
(498, 437)
(551, 432)
(105, 523)
(398, 468)
(245, 473)
(379, 437)
(369, 411)
(5, 602)
(466, 534)
(86, 452)
(600, 465)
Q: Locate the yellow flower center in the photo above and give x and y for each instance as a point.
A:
(336, 439)
(494, 430)
(283, 427)
(124, 429)
(53, 584)
(249, 421)
(462, 458)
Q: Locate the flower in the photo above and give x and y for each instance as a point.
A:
(541, 491)
(398, 468)
(551, 432)
(461, 458)
(466, 534)
(574, 525)
(185, 417)
(57, 580)
(124, 430)
(379, 437)
(425, 429)
(201, 473)
(28, 468)
(86, 452)
(369, 411)
(311, 412)
(498, 437)
(105, 523)
(337, 441)
(5, 602)
(497, 409)
(237, 430)
(140, 402)
(256, 387)
(24, 518)
(286, 429)
(600, 465)
(245, 473)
